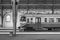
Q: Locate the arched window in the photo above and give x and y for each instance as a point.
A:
(8, 18)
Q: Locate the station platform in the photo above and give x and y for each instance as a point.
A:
(8, 30)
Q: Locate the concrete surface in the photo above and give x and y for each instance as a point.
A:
(30, 37)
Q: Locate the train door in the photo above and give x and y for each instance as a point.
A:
(38, 23)
(38, 20)
(27, 20)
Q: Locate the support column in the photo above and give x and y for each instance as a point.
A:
(14, 16)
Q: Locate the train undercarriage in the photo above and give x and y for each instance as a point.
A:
(37, 27)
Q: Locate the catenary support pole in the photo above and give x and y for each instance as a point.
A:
(14, 17)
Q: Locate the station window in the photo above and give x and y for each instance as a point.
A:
(8, 18)
(58, 19)
(45, 19)
(51, 20)
(23, 18)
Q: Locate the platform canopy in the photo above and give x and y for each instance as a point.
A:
(5, 1)
(32, 1)
(34, 4)
(39, 1)
(39, 4)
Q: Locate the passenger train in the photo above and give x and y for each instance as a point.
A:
(41, 21)
(36, 19)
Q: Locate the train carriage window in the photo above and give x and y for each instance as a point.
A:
(58, 19)
(8, 18)
(23, 18)
(27, 20)
(31, 20)
(45, 19)
(51, 20)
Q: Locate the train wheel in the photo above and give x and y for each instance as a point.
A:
(49, 29)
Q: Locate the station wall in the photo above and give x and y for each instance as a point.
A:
(8, 19)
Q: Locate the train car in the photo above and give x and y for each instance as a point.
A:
(38, 21)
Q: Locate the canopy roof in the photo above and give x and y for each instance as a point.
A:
(34, 2)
